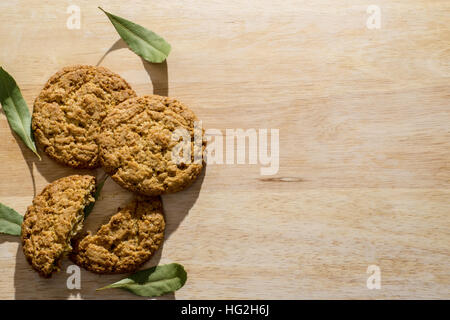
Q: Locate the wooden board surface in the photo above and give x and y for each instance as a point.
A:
(364, 122)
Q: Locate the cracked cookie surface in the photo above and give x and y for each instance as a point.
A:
(128, 240)
(69, 110)
(136, 145)
(55, 216)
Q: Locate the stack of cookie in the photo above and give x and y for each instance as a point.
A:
(87, 117)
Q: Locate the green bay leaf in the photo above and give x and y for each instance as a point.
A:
(153, 282)
(16, 109)
(88, 209)
(143, 42)
(10, 221)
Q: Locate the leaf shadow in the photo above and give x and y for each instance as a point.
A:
(158, 72)
(119, 44)
(8, 238)
(159, 76)
(29, 157)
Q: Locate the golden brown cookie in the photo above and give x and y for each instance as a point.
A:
(70, 109)
(136, 145)
(55, 216)
(127, 241)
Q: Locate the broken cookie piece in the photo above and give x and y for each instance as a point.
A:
(128, 240)
(56, 215)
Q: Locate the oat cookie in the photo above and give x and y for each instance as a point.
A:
(69, 110)
(55, 216)
(127, 241)
(136, 145)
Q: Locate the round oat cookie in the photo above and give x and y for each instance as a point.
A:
(136, 144)
(69, 110)
(127, 241)
(55, 216)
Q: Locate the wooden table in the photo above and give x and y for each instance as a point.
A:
(364, 122)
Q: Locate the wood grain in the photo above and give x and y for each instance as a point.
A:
(364, 143)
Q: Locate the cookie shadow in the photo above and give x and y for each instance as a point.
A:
(51, 170)
(177, 205)
(176, 208)
(48, 168)
(29, 285)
